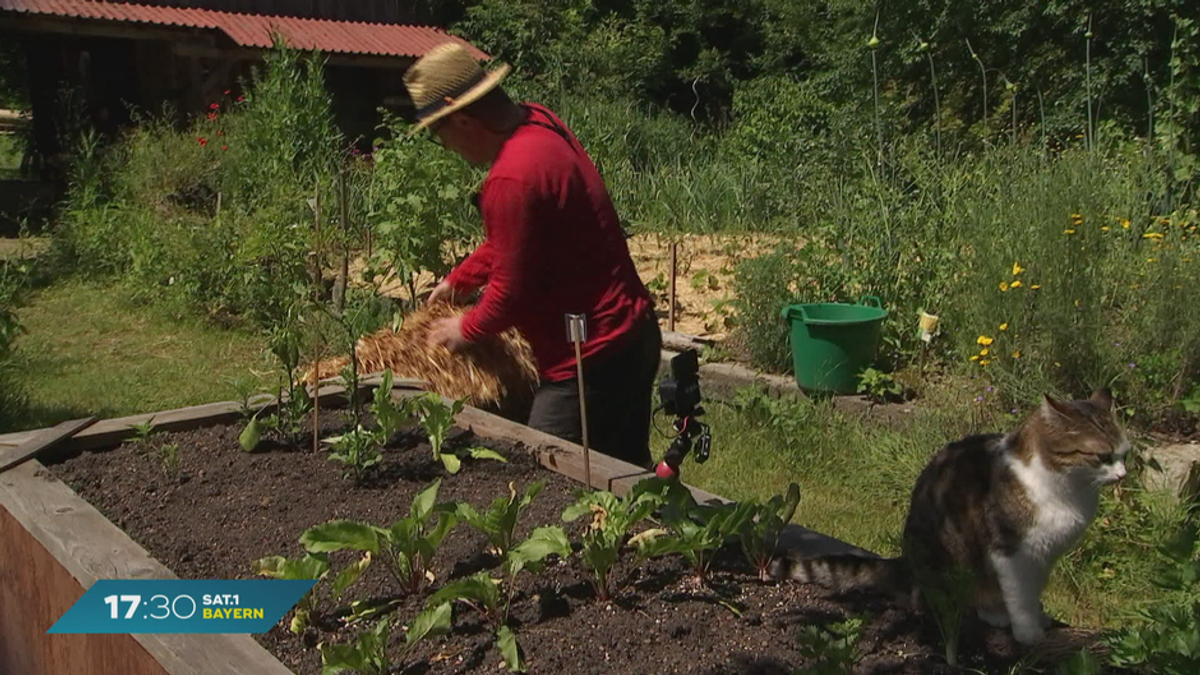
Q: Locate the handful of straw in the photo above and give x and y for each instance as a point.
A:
(488, 372)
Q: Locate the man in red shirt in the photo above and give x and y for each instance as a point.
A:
(553, 246)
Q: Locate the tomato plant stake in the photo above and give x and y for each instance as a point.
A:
(671, 299)
(577, 333)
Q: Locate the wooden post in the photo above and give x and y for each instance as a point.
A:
(343, 278)
(315, 255)
(218, 215)
(671, 293)
(577, 333)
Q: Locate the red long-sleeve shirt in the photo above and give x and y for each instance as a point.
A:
(553, 246)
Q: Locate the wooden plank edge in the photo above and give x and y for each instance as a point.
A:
(42, 442)
(90, 548)
(617, 476)
(113, 431)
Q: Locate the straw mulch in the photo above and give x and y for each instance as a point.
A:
(488, 373)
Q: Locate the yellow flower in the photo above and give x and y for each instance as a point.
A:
(1151, 260)
(1015, 284)
(1125, 224)
(1003, 286)
(1035, 286)
(1017, 354)
(984, 362)
(1004, 326)
(1105, 228)
(1068, 231)
(1017, 269)
(984, 340)
(984, 352)
(1152, 235)
(974, 357)
(1076, 303)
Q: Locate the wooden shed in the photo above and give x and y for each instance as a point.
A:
(102, 59)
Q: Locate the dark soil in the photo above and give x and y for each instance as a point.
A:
(226, 508)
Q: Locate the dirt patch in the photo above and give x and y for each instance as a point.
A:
(226, 508)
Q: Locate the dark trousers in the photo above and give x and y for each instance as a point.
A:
(619, 389)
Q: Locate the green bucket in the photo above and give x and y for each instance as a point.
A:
(833, 342)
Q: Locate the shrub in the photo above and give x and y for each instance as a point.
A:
(763, 286)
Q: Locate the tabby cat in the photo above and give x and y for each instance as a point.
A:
(1002, 507)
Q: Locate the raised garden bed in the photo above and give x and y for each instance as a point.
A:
(222, 508)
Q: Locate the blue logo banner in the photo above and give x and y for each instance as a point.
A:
(182, 606)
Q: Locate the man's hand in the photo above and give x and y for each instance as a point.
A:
(448, 333)
(443, 292)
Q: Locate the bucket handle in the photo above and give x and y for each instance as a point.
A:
(870, 301)
(788, 310)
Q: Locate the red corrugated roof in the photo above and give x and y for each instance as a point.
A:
(254, 30)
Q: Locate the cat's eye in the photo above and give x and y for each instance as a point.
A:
(1106, 458)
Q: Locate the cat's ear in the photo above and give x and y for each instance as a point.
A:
(1103, 399)
(1052, 410)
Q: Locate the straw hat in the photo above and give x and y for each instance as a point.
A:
(447, 78)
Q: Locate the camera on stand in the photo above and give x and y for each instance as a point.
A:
(680, 395)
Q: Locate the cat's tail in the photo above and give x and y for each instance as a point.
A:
(846, 572)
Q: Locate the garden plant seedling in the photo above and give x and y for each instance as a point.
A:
(613, 519)
(407, 545)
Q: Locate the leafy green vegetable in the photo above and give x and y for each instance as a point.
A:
(612, 520)
(308, 567)
(408, 545)
(760, 535)
(358, 450)
(483, 593)
(695, 531)
(436, 418)
(499, 522)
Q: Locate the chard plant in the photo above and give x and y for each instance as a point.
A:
(612, 520)
(695, 531)
(408, 546)
(288, 418)
(390, 416)
(310, 566)
(368, 653)
(358, 450)
(499, 522)
(760, 533)
(436, 418)
(483, 593)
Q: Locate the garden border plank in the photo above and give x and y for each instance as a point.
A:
(42, 442)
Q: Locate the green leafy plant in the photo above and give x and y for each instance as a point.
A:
(168, 454)
(436, 418)
(695, 531)
(1168, 639)
(483, 593)
(358, 450)
(612, 520)
(1082, 662)
(390, 415)
(948, 594)
(408, 545)
(833, 649)
(289, 418)
(879, 386)
(368, 653)
(499, 522)
(310, 566)
(761, 530)
(142, 432)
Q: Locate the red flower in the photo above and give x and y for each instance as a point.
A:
(212, 116)
(202, 141)
(224, 147)
(220, 133)
(226, 92)
(215, 106)
(241, 98)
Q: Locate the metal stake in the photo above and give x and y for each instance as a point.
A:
(577, 333)
(671, 294)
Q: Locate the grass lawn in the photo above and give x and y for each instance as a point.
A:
(88, 350)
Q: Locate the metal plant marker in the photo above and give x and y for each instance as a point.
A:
(577, 333)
